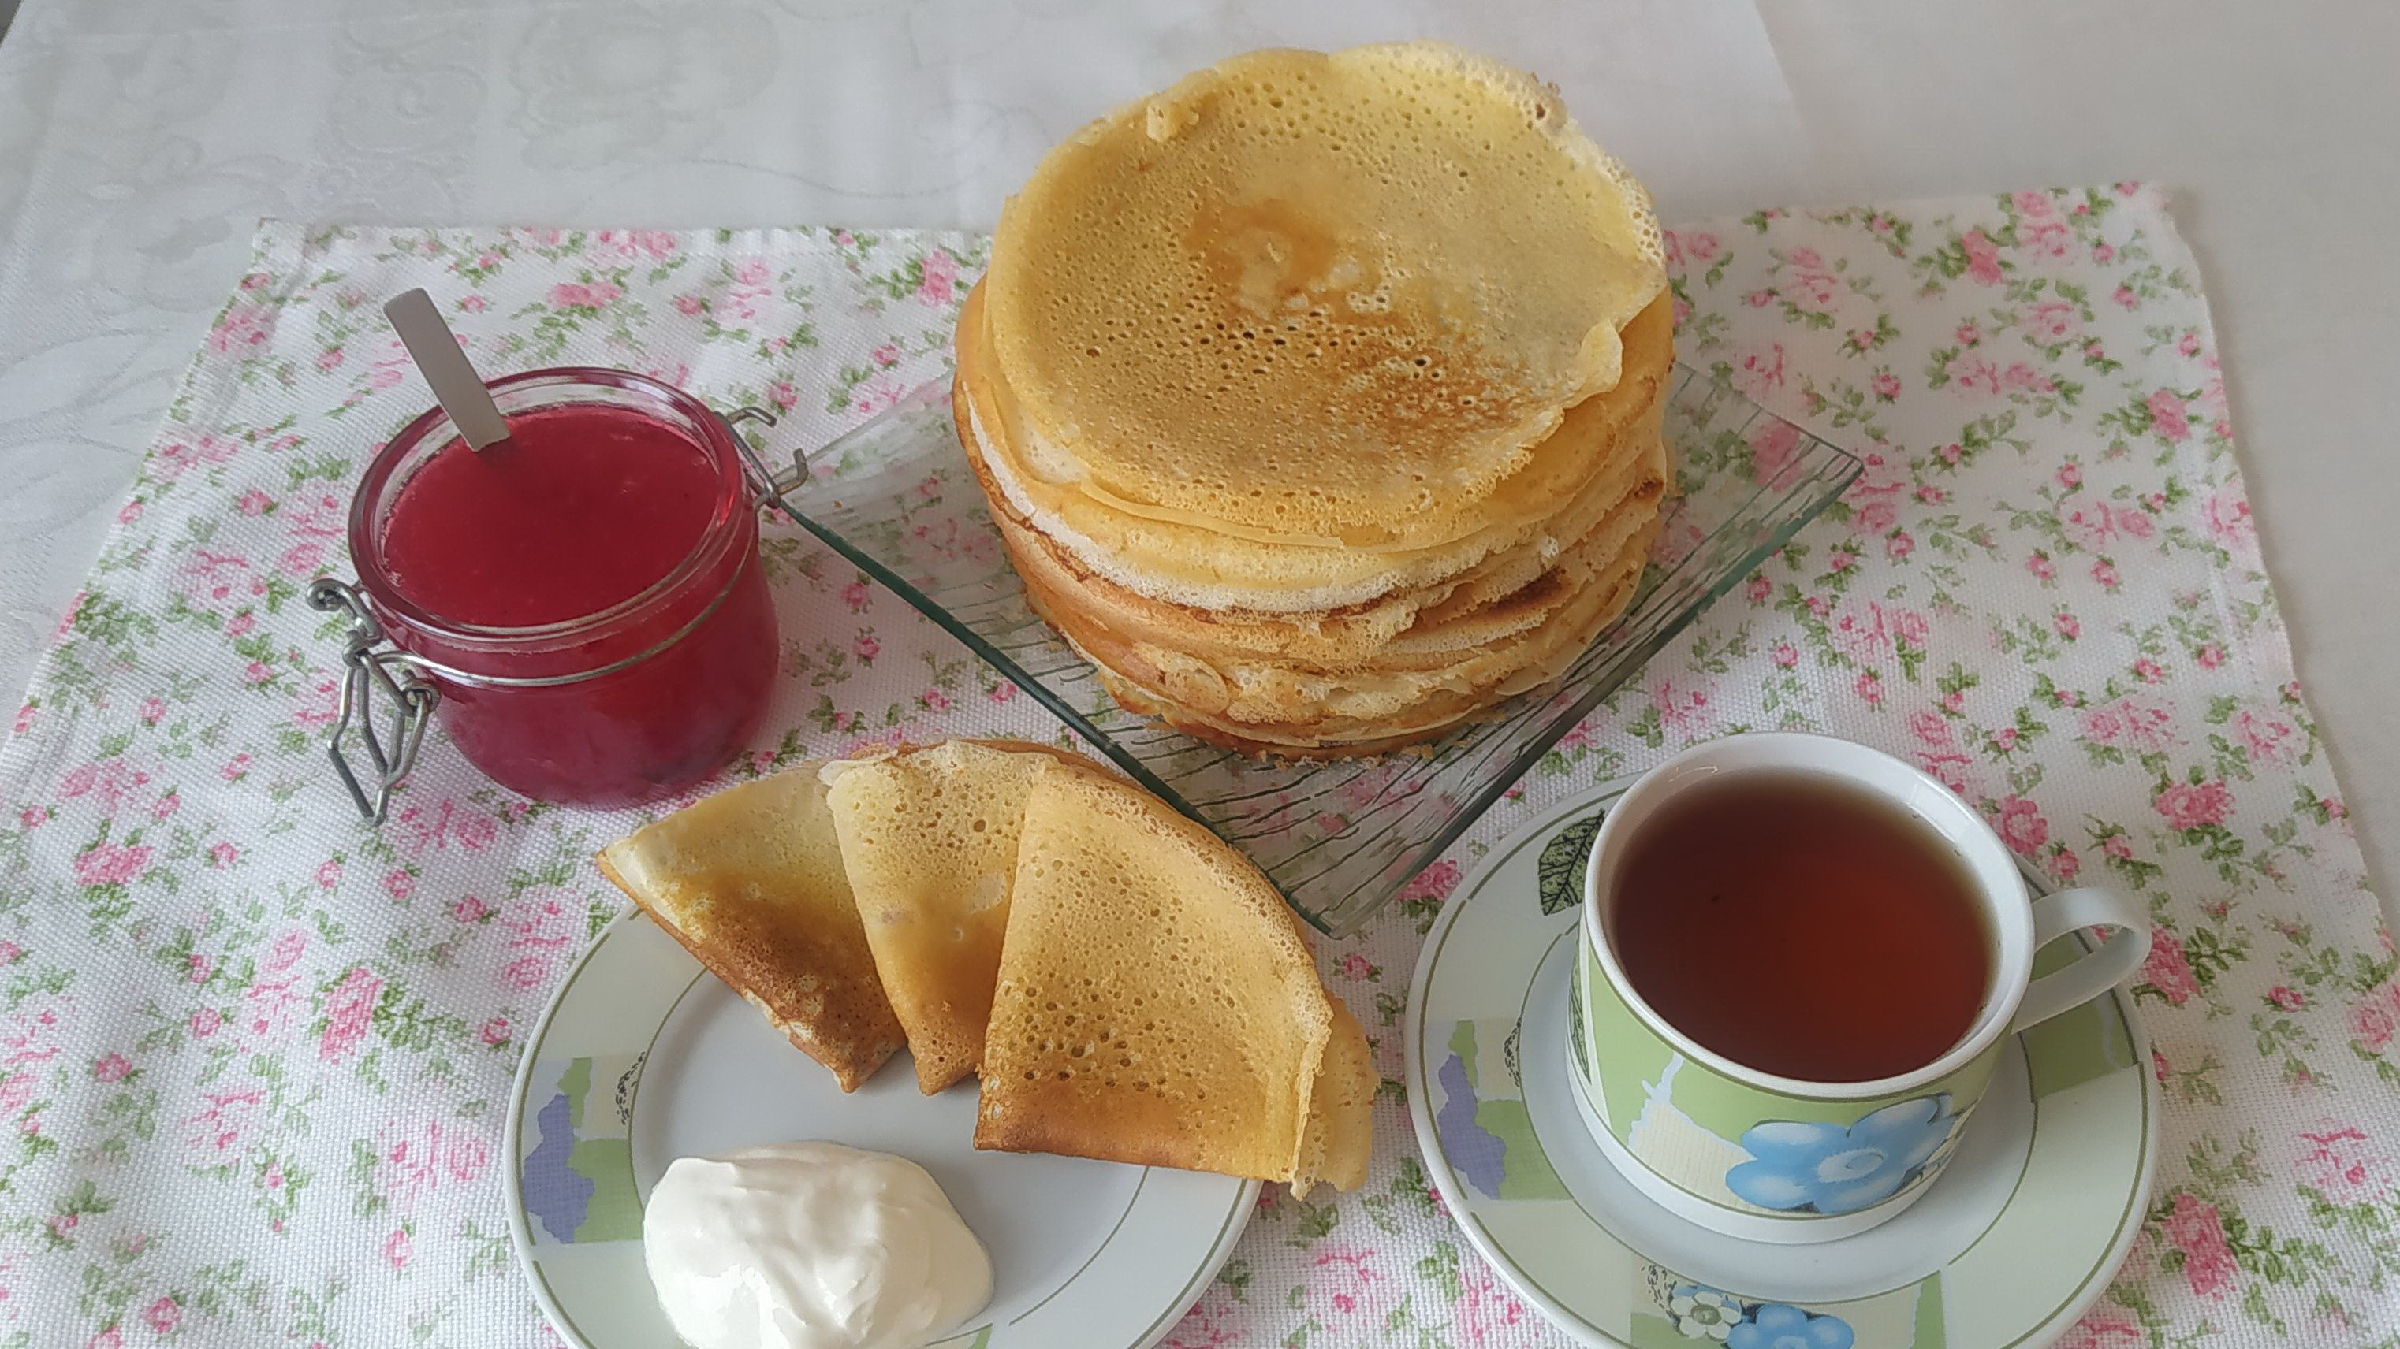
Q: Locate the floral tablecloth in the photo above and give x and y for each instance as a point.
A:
(253, 1054)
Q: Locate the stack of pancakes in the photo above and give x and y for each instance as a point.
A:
(1317, 398)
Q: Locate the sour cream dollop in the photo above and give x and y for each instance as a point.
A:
(810, 1246)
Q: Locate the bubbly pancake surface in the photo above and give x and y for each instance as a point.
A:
(1334, 1144)
(750, 881)
(1155, 1003)
(1316, 296)
(929, 840)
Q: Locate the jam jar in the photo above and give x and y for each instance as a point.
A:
(581, 604)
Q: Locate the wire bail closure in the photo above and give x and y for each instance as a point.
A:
(770, 484)
(365, 670)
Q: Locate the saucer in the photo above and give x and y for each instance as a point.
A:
(643, 1058)
(2007, 1249)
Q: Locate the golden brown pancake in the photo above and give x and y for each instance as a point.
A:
(1146, 997)
(1322, 296)
(1423, 630)
(750, 881)
(1323, 734)
(1293, 705)
(929, 838)
(1318, 398)
(1156, 1003)
(1571, 476)
(1335, 1144)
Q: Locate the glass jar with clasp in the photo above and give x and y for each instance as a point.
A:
(582, 604)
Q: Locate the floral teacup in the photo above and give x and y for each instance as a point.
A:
(1769, 1158)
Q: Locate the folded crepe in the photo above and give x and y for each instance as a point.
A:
(750, 881)
(1334, 1145)
(929, 837)
(1156, 1003)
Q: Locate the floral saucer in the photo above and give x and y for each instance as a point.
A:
(2005, 1251)
(642, 1058)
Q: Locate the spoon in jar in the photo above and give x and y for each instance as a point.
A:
(456, 386)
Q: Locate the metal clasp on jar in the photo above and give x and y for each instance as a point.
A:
(770, 484)
(366, 670)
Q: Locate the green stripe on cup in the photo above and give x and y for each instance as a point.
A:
(1931, 1329)
(2081, 1045)
(1623, 1058)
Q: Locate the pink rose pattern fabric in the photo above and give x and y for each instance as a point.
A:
(253, 1055)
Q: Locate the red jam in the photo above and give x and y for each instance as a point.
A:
(579, 510)
(586, 595)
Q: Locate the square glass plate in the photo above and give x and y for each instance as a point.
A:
(895, 496)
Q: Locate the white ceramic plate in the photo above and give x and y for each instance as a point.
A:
(2014, 1242)
(643, 1058)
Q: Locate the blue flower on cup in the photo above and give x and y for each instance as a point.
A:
(1779, 1325)
(1801, 1167)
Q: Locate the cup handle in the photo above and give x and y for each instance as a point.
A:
(2100, 969)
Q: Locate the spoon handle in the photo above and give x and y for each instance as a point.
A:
(456, 386)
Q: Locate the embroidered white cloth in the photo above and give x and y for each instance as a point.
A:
(254, 1053)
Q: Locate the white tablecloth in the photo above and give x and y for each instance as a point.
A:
(139, 139)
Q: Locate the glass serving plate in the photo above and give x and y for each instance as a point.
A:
(1340, 837)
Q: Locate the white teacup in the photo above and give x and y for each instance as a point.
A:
(1769, 1158)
